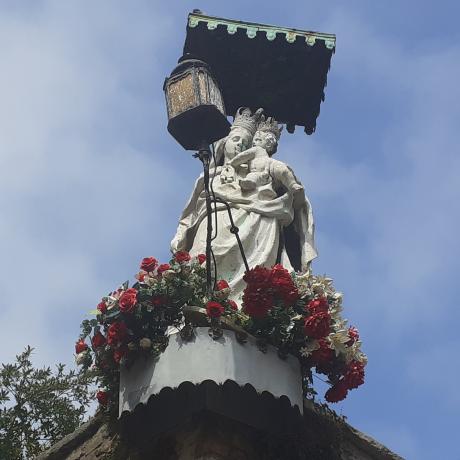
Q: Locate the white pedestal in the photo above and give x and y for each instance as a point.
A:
(206, 359)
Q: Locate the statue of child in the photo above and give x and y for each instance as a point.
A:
(261, 167)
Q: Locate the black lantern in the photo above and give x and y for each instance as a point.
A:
(196, 111)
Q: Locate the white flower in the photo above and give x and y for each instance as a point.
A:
(81, 357)
(309, 348)
(223, 293)
(318, 289)
(354, 353)
(303, 284)
(337, 296)
(132, 346)
(168, 274)
(338, 321)
(150, 281)
(338, 340)
(145, 343)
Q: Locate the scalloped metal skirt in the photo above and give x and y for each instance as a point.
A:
(205, 359)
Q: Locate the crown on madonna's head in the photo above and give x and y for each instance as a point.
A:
(244, 118)
(270, 125)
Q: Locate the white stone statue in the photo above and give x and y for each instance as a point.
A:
(268, 205)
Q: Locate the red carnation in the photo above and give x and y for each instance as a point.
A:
(353, 334)
(233, 305)
(98, 340)
(149, 264)
(283, 284)
(258, 276)
(80, 346)
(182, 257)
(354, 375)
(337, 392)
(318, 305)
(214, 309)
(201, 258)
(323, 355)
(317, 326)
(288, 294)
(128, 300)
(102, 397)
(222, 284)
(258, 295)
(257, 303)
(120, 353)
(162, 268)
(117, 333)
(102, 306)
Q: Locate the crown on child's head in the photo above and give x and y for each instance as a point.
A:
(270, 125)
(244, 118)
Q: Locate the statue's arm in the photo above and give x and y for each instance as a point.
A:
(243, 157)
(179, 241)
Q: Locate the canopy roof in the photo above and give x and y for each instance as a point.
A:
(256, 65)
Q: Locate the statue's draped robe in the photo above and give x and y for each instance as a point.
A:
(272, 230)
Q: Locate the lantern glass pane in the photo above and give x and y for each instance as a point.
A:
(202, 84)
(215, 95)
(181, 95)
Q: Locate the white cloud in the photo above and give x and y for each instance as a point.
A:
(392, 202)
(76, 188)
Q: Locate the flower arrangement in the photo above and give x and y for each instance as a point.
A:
(299, 314)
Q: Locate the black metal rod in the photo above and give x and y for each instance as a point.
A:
(233, 229)
(204, 155)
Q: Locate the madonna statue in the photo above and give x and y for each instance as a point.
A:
(268, 205)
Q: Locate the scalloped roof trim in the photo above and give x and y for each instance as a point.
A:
(270, 31)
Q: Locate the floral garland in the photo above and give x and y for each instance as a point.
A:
(299, 314)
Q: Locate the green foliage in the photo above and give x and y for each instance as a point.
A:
(39, 406)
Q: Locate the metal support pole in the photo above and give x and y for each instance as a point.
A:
(233, 229)
(204, 154)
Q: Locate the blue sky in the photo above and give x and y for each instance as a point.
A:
(91, 182)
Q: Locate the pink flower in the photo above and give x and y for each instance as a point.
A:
(201, 258)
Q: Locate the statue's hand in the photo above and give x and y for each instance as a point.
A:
(175, 243)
